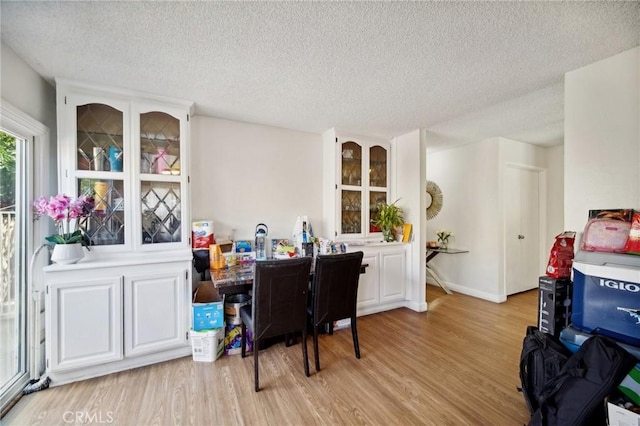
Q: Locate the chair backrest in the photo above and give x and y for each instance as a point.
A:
(280, 289)
(335, 286)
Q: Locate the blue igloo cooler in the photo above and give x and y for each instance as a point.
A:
(606, 295)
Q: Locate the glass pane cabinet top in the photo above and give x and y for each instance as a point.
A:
(375, 198)
(351, 212)
(378, 167)
(99, 131)
(351, 164)
(105, 226)
(159, 143)
(161, 216)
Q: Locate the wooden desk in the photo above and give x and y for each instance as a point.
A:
(433, 252)
(239, 279)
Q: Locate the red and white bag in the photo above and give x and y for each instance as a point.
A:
(561, 256)
(633, 243)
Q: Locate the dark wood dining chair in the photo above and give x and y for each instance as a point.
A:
(334, 295)
(279, 305)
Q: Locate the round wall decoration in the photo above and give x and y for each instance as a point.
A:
(434, 199)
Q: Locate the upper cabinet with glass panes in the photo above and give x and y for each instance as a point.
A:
(362, 184)
(130, 153)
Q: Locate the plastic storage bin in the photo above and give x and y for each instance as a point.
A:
(573, 338)
(207, 345)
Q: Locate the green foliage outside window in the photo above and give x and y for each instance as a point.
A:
(7, 170)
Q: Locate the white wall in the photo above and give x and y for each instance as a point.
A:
(21, 86)
(244, 174)
(555, 193)
(410, 171)
(470, 178)
(602, 137)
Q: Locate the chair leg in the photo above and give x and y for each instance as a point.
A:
(305, 353)
(354, 334)
(243, 340)
(255, 364)
(315, 347)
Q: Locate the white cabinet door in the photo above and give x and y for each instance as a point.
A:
(85, 322)
(392, 275)
(155, 312)
(369, 284)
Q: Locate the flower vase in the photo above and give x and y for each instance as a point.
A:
(443, 244)
(66, 254)
(388, 235)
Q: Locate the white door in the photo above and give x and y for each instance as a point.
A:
(522, 230)
(85, 320)
(155, 315)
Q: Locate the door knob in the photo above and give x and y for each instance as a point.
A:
(521, 237)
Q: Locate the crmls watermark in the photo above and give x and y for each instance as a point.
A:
(85, 417)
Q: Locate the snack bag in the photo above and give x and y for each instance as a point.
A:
(561, 256)
(633, 242)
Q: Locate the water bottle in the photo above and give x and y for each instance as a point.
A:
(304, 232)
(261, 241)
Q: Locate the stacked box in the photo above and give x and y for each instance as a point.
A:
(554, 304)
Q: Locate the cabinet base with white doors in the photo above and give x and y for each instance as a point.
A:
(104, 316)
(385, 284)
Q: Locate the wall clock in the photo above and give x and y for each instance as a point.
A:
(434, 199)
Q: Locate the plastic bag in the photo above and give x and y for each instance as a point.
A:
(561, 256)
(633, 242)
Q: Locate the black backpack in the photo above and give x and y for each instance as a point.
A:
(576, 396)
(541, 360)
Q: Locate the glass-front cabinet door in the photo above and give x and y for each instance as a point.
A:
(93, 135)
(363, 184)
(160, 186)
(130, 157)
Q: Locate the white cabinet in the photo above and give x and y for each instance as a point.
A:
(384, 284)
(393, 274)
(369, 283)
(128, 316)
(130, 152)
(84, 324)
(154, 312)
(357, 174)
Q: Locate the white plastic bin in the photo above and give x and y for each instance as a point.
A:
(207, 345)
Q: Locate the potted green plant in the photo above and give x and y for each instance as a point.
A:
(389, 218)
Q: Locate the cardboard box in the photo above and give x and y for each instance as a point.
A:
(615, 214)
(208, 307)
(207, 345)
(619, 416)
(554, 304)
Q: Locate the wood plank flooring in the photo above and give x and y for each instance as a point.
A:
(456, 364)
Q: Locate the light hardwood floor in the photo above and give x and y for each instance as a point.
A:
(456, 364)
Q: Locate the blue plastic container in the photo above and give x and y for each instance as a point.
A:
(573, 338)
(606, 297)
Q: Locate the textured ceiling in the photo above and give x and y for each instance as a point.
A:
(463, 70)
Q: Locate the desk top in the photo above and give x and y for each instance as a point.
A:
(242, 275)
(446, 250)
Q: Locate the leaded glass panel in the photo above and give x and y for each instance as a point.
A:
(161, 215)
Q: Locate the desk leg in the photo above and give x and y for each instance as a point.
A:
(437, 279)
